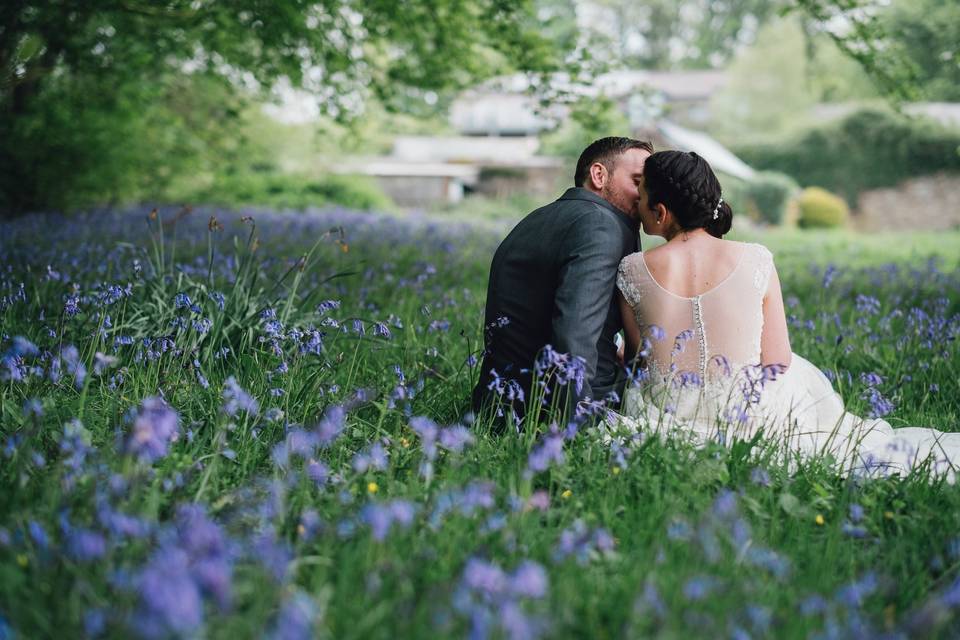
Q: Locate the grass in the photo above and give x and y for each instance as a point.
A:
(298, 536)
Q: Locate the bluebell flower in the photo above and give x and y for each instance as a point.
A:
(170, 600)
(455, 438)
(32, 407)
(327, 305)
(94, 622)
(84, 545)
(856, 512)
(699, 587)
(237, 400)
(760, 476)
(485, 577)
(549, 451)
(331, 426)
(375, 458)
(296, 618)
(381, 517)
(38, 534)
(318, 472)
(813, 605)
(857, 591)
(272, 553)
(725, 504)
(529, 580)
(310, 524)
(155, 427)
(679, 529)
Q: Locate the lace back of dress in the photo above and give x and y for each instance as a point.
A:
(702, 337)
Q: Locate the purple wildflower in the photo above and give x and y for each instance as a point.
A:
(375, 458)
(699, 587)
(84, 545)
(456, 438)
(332, 425)
(295, 621)
(155, 427)
(170, 598)
(235, 399)
(549, 451)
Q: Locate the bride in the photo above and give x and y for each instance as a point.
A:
(706, 333)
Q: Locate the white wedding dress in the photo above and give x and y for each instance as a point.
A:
(703, 381)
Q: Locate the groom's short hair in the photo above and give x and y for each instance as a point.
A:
(605, 151)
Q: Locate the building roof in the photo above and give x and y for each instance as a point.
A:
(720, 158)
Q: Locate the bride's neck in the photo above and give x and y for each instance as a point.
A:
(683, 236)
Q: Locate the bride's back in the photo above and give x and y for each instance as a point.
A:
(700, 303)
(695, 265)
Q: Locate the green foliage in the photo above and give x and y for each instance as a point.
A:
(85, 142)
(820, 208)
(868, 149)
(928, 34)
(656, 35)
(772, 86)
(865, 36)
(78, 85)
(770, 193)
(291, 191)
(590, 119)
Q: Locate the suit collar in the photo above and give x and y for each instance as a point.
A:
(579, 193)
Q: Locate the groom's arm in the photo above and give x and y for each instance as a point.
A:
(591, 251)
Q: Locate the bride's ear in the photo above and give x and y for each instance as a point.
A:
(663, 214)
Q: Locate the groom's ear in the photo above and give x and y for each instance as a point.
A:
(597, 176)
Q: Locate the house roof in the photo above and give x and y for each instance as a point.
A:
(720, 158)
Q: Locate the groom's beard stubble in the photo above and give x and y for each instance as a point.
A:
(628, 205)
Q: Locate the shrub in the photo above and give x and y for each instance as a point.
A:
(352, 191)
(291, 191)
(820, 208)
(771, 192)
(866, 150)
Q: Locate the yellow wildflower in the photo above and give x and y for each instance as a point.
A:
(372, 487)
(566, 494)
(819, 519)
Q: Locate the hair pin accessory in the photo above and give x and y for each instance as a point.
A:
(716, 209)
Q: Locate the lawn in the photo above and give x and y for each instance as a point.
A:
(228, 426)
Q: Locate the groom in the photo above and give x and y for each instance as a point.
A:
(552, 280)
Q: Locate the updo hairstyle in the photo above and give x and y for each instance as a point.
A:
(685, 184)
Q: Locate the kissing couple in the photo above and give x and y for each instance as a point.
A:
(706, 352)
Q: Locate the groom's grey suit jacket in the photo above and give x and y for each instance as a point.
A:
(552, 279)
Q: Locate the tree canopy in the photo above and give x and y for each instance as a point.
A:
(107, 99)
(80, 79)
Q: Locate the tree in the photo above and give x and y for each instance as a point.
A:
(773, 85)
(663, 34)
(928, 35)
(80, 76)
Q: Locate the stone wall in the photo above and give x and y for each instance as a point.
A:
(928, 203)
